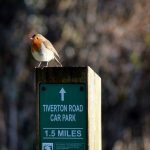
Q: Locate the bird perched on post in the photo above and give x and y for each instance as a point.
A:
(42, 50)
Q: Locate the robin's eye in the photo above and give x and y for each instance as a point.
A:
(37, 38)
(33, 36)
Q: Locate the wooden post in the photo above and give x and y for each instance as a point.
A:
(81, 127)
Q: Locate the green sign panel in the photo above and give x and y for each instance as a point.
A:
(63, 117)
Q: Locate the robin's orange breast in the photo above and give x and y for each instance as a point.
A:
(36, 45)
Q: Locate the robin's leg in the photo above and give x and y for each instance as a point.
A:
(39, 65)
(47, 64)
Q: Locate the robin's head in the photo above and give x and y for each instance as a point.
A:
(37, 40)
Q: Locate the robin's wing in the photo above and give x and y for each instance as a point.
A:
(50, 47)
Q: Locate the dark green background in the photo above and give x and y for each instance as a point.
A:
(75, 95)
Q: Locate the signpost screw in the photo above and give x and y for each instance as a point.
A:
(81, 88)
(43, 88)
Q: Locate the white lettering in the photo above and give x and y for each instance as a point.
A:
(70, 133)
(55, 108)
(55, 117)
(75, 108)
(69, 117)
(62, 117)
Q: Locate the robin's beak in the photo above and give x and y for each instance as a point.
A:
(31, 38)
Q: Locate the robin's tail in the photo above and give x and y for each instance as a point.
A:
(58, 62)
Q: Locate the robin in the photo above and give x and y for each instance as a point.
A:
(42, 50)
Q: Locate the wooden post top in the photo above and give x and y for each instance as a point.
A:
(62, 74)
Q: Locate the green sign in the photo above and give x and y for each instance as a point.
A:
(63, 117)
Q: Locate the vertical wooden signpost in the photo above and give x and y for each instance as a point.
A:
(68, 109)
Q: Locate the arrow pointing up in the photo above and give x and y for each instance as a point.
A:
(62, 93)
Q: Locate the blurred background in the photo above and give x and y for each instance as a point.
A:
(111, 36)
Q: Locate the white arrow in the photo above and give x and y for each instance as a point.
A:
(62, 92)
